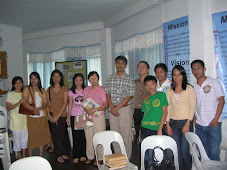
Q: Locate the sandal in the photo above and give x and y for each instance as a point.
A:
(82, 159)
(65, 157)
(88, 161)
(100, 162)
(76, 160)
(60, 159)
(51, 149)
(48, 146)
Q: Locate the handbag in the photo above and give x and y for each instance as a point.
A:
(24, 110)
(83, 121)
(167, 162)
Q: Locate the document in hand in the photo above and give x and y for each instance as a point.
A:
(89, 103)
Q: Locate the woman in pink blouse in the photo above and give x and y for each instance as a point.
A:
(96, 93)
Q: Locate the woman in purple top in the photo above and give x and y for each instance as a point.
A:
(96, 93)
(76, 94)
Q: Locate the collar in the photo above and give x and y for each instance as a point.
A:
(122, 75)
(163, 83)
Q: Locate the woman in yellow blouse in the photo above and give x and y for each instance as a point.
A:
(182, 103)
(18, 122)
(38, 129)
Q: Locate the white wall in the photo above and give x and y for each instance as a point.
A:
(53, 39)
(200, 25)
(12, 37)
(149, 19)
(200, 22)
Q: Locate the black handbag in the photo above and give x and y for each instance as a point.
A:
(167, 162)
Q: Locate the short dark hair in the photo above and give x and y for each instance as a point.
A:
(92, 73)
(198, 61)
(150, 78)
(14, 81)
(121, 57)
(51, 78)
(148, 66)
(161, 65)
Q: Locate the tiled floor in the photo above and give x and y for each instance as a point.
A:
(68, 164)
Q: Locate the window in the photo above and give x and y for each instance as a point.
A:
(146, 46)
(44, 63)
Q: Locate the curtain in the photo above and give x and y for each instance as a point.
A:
(146, 46)
(44, 62)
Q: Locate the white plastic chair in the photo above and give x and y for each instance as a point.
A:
(105, 139)
(3, 154)
(4, 140)
(164, 142)
(31, 163)
(223, 147)
(197, 150)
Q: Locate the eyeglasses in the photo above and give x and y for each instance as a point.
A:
(93, 78)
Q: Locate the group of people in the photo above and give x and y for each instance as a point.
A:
(171, 107)
(160, 107)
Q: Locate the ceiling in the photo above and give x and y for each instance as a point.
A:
(35, 15)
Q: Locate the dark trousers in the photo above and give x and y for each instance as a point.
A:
(164, 130)
(184, 157)
(148, 154)
(58, 133)
(79, 141)
(211, 139)
(138, 116)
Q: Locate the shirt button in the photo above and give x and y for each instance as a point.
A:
(139, 104)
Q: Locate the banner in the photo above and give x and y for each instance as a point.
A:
(176, 44)
(220, 49)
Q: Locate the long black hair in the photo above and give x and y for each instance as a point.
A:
(14, 81)
(183, 73)
(51, 78)
(39, 80)
(73, 88)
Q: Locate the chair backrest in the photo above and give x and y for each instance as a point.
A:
(3, 117)
(164, 142)
(224, 134)
(34, 163)
(196, 149)
(105, 139)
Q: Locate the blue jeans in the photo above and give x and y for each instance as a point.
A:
(211, 139)
(148, 154)
(184, 157)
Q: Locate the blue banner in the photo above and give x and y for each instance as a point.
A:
(176, 44)
(220, 49)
